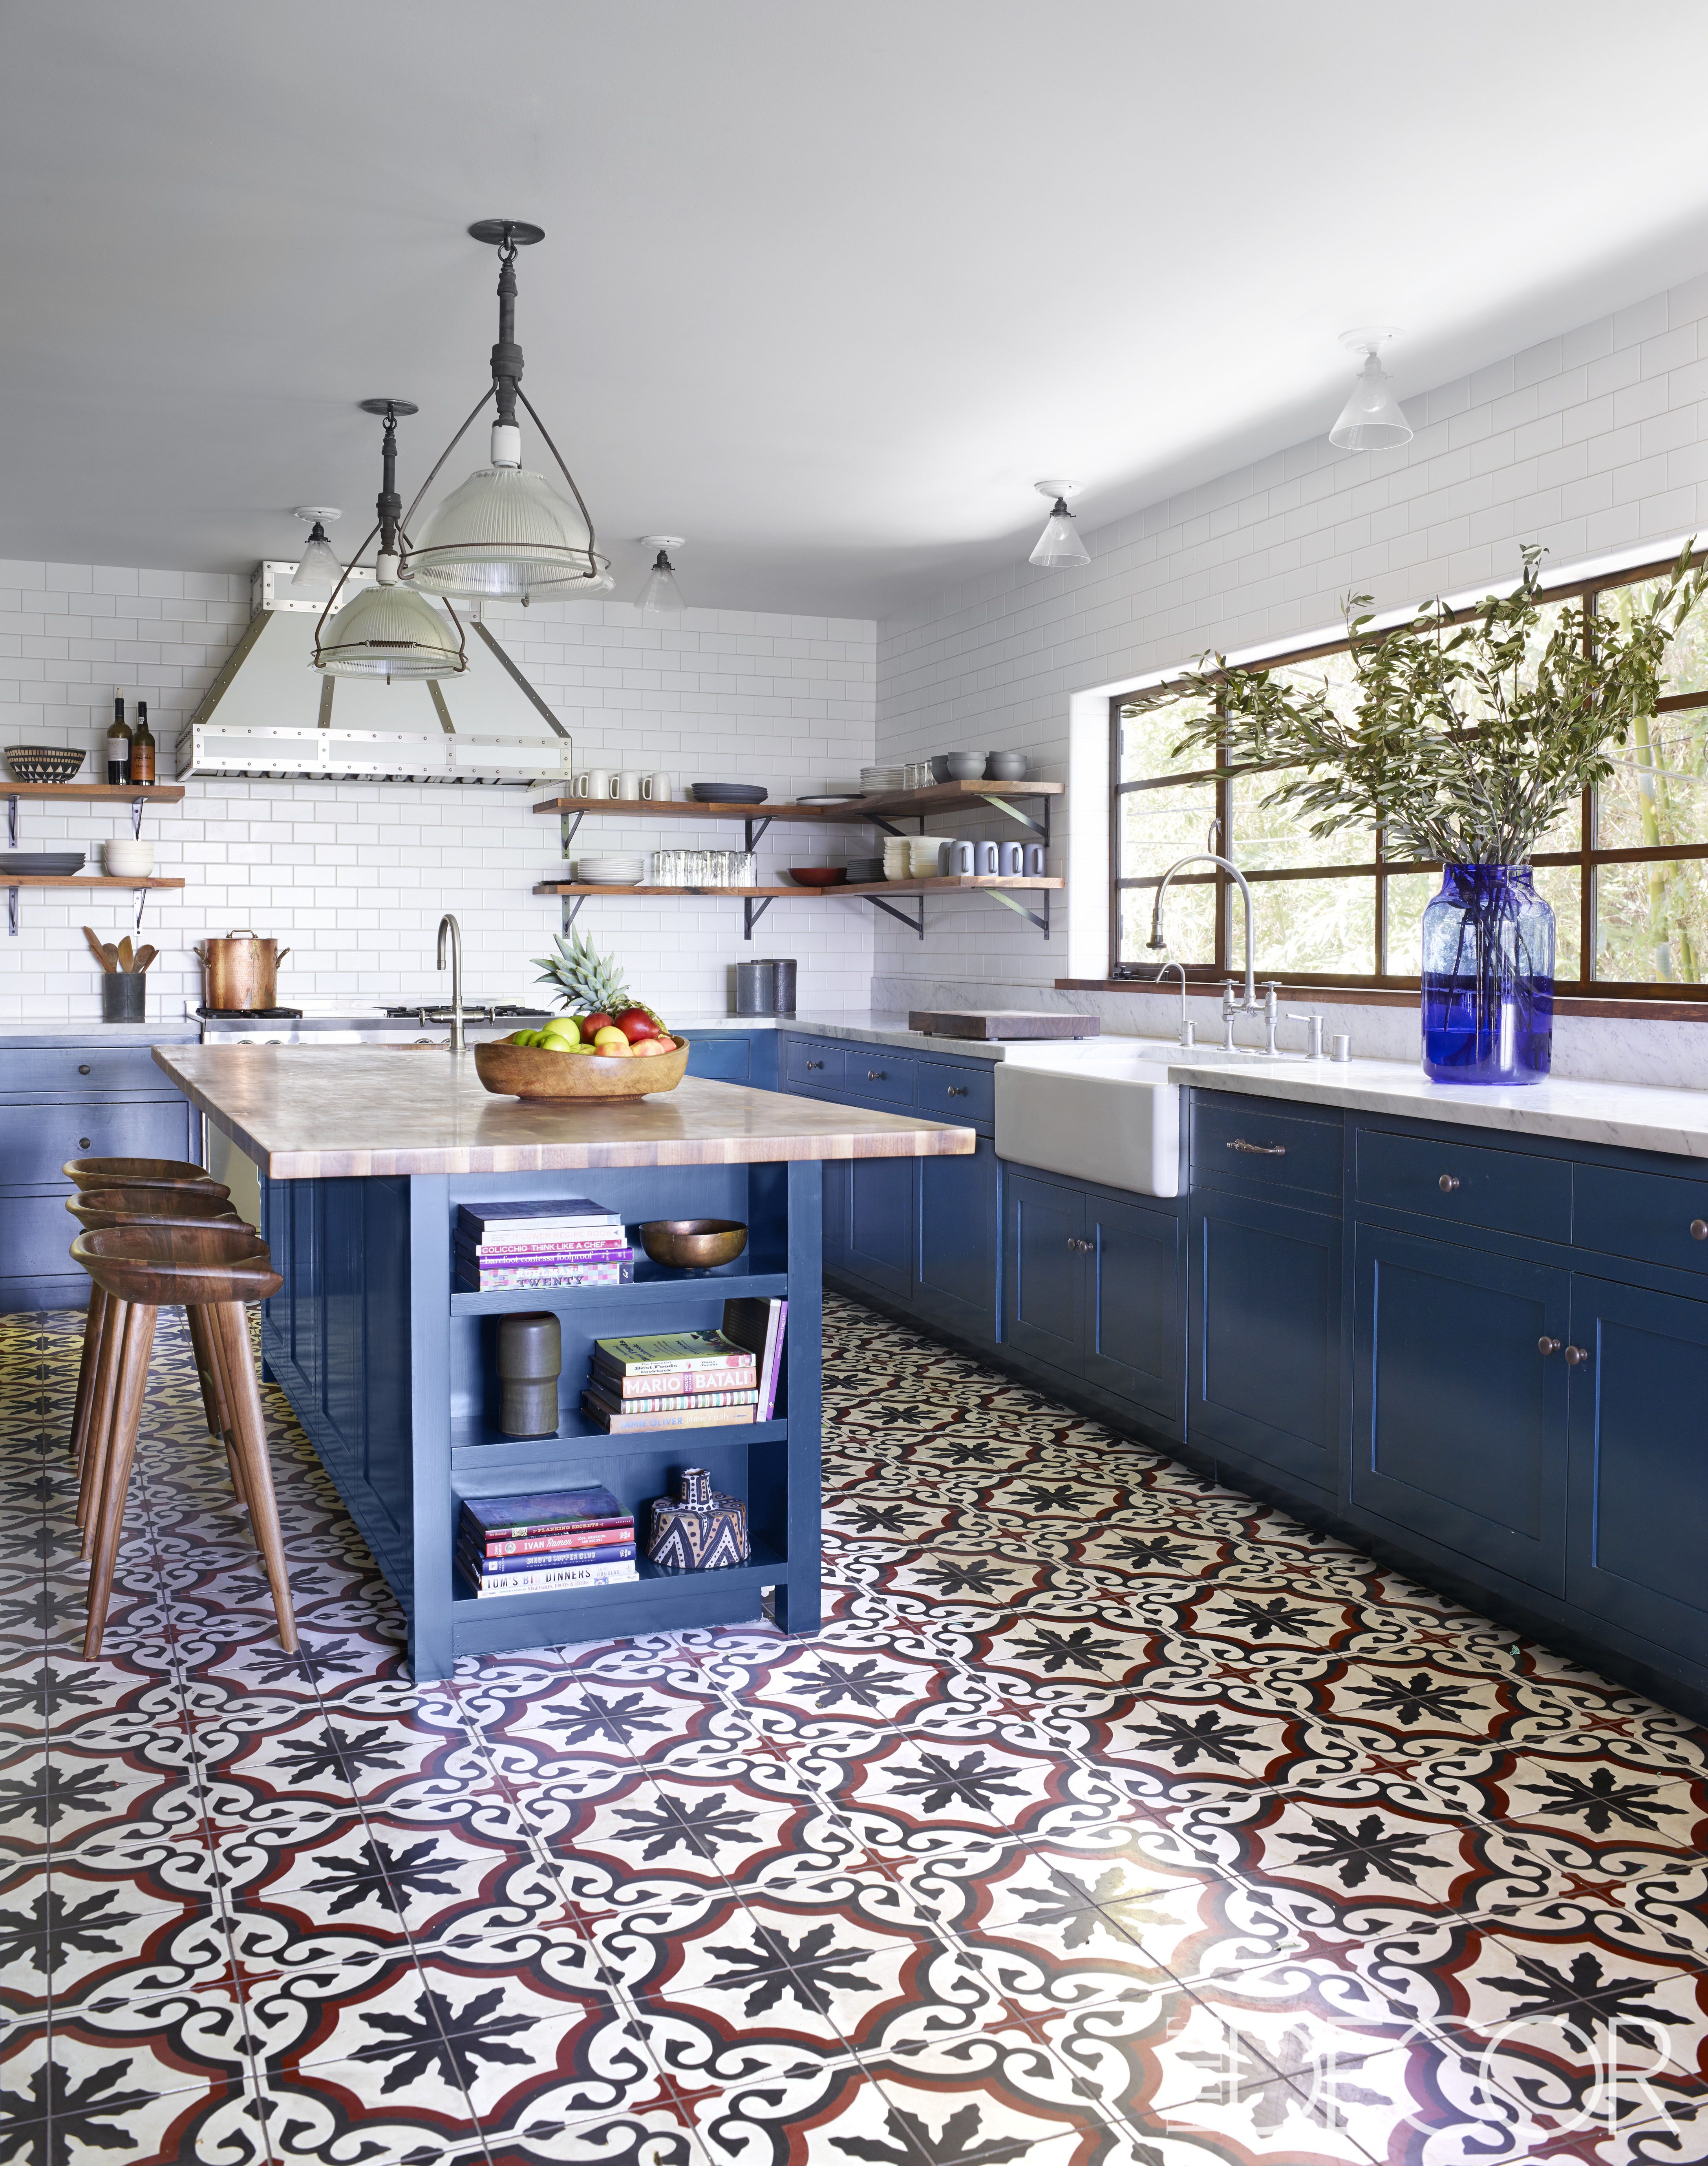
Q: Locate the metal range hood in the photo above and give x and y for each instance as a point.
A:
(271, 714)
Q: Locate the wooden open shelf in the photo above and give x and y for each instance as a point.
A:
(116, 793)
(948, 883)
(131, 880)
(941, 797)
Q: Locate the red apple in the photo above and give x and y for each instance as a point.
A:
(636, 1023)
(589, 1024)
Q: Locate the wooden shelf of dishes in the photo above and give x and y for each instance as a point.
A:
(904, 804)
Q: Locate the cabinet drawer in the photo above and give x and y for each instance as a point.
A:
(960, 1094)
(724, 1059)
(1245, 1143)
(872, 1073)
(1649, 1215)
(1507, 1192)
(95, 1070)
(813, 1060)
(35, 1141)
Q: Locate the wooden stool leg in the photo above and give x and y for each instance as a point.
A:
(216, 1394)
(127, 1419)
(230, 1323)
(85, 1372)
(98, 1437)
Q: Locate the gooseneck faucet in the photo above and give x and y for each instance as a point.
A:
(448, 924)
(1250, 1005)
(1163, 969)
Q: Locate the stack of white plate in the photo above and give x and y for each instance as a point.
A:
(880, 781)
(610, 868)
(897, 864)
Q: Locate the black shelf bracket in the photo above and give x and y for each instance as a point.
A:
(754, 908)
(567, 824)
(12, 906)
(756, 826)
(913, 924)
(11, 823)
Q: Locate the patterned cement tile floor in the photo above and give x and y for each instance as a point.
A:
(1111, 1818)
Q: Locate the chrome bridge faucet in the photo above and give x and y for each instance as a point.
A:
(1251, 1005)
(448, 924)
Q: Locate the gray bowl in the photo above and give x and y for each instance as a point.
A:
(939, 767)
(1007, 767)
(966, 766)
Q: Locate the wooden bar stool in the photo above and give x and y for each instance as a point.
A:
(96, 1208)
(106, 1173)
(142, 1269)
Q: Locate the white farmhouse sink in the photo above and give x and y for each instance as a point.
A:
(1097, 1110)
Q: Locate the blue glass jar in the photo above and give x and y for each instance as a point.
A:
(1488, 978)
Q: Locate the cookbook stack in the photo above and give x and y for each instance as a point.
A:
(690, 1379)
(563, 1241)
(566, 1538)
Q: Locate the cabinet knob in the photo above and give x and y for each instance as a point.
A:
(1448, 1183)
(1258, 1151)
(960, 1090)
(83, 1142)
(84, 1069)
(877, 1076)
(815, 1064)
(1574, 1354)
(1699, 1229)
(1074, 1242)
(1546, 1345)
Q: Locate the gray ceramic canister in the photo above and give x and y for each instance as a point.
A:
(530, 1360)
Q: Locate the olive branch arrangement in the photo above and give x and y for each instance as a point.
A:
(1463, 743)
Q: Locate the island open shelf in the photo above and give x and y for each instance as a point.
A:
(391, 1370)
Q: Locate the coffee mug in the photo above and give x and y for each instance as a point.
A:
(660, 788)
(986, 858)
(628, 786)
(595, 783)
(954, 858)
(1009, 859)
(1034, 861)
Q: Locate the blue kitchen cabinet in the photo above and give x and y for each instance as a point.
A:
(1093, 1289)
(731, 1056)
(1264, 1336)
(958, 1236)
(1637, 1523)
(1459, 1399)
(877, 1236)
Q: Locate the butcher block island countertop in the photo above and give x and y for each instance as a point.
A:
(304, 1114)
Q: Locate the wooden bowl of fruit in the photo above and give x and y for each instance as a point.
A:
(629, 1055)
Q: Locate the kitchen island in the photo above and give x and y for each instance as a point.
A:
(364, 1157)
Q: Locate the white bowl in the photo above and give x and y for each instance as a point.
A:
(129, 860)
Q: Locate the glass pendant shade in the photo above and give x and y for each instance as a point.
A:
(318, 572)
(387, 631)
(1058, 545)
(504, 534)
(660, 596)
(1373, 418)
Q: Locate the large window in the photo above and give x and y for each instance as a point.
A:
(1627, 870)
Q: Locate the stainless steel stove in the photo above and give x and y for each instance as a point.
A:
(415, 1025)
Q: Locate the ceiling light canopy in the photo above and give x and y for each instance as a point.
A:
(318, 572)
(660, 596)
(1058, 545)
(505, 533)
(1373, 418)
(386, 631)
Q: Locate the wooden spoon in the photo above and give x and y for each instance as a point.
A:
(145, 956)
(104, 954)
(125, 951)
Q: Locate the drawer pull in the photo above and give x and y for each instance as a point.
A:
(877, 1076)
(84, 1069)
(1699, 1229)
(1574, 1354)
(82, 1142)
(1546, 1345)
(1448, 1183)
(1259, 1150)
(1074, 1242)
(960, 1089)
(815, 1064)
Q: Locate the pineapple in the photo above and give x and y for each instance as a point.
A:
(587, 982)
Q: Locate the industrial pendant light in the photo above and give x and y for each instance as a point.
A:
(1373, 418)
(661, 596)
(505, 533)
(1058, 545)
(318, 572)
(386, 631)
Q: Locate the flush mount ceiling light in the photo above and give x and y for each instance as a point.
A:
(318, 573)
(506, 533)
(1373, 418)
(386, 631)
(1058, 545)
(661, 596)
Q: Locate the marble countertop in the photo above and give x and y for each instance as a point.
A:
(1632, 1116)
(306, 1114)
(20, 1037)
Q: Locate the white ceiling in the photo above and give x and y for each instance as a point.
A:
(825, 287)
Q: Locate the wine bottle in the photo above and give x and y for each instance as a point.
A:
(141, 747)
(118, 743)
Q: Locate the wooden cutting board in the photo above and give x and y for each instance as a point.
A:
(1001, 1023)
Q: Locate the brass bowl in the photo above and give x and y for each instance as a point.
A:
(694, 1244)
(535, 1073)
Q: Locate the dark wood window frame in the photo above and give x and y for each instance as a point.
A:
(1586, 994)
